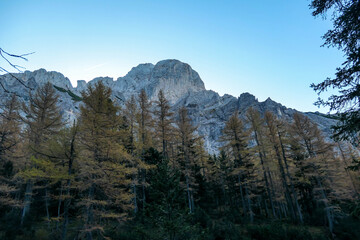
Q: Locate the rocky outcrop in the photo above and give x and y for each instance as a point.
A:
(175, 78)
(182, 86)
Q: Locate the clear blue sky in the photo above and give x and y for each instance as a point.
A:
(268, 48)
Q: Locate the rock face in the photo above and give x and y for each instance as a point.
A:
(175, 78)
(182, 86)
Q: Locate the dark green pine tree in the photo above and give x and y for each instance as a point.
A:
(168, 215)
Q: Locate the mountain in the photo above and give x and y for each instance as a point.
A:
(181, 84)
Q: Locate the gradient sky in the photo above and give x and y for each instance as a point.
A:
(268, 48)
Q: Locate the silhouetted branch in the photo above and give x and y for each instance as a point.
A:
(5, 56)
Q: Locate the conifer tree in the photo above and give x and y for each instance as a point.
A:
(145, 140)
(144, 121)
(163, 123)
(104, 165)
(274, 132)
(350, 160)
(219, 168)
(236, 140)
(187, 153)
(315, 153)
(257, 127)
(345, 36)
(43, 120)
(69, 150)
(166, 208)
(9, 133)
(10, 143)
(130, 113)
(43, 117)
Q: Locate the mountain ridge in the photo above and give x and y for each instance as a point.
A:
(181, 84)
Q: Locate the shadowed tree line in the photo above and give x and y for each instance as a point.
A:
(141, 172)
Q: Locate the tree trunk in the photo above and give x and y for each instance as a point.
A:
(242, 194)
(276, 203)
(284, 182)
(59, 205)
(135, 197)
(68, 185)
(188, 193)
(251, 213)
(297, 205)
(66, 210)
(27, 200)
(89, 214)
(143, 188)
(327, 208)
(262, 155)
(47, 207)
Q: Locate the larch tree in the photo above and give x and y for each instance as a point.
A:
(9, 133)
(61, 172)
(350, 159)
(257, 128)
(69, 150)
(274, 133)
(187, 153)
(130, 114)
(10, 143)
(144, 132)
(105, 166)
(144, 121)
(163, 120)
(43, 120)
(235, 138)
(315, 153)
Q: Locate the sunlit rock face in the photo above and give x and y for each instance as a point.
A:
(181, 85)
(175, 78)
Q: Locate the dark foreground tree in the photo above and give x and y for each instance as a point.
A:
(345, 36)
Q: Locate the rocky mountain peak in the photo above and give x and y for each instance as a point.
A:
(42, 76)
(105, 80)
(245, 100)
(141, 72)
(175, 78)
(247, 97)
(81, 85)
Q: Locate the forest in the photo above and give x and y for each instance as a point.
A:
(141, 172)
